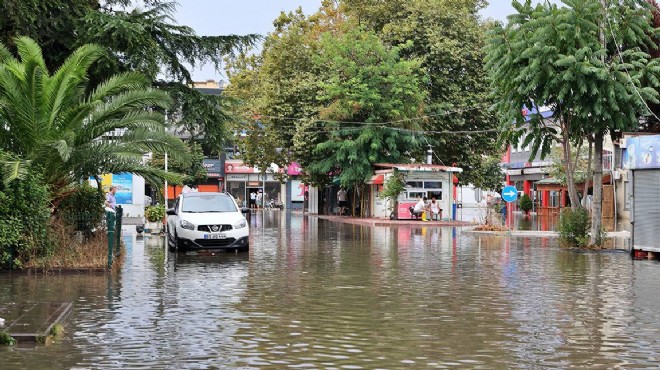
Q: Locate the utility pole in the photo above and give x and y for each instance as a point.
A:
(597, 203)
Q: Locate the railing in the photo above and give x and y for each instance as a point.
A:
(113, 223)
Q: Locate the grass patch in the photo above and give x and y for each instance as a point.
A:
(6, 339)
(70, 250)
(57, 330)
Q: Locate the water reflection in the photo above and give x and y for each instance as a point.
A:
(321, 294)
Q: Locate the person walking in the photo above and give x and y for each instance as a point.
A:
(342, 195)
(110, 199)
(253, 199)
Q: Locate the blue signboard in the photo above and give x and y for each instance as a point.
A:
(124, 184)
(510, 194)
(642, 152)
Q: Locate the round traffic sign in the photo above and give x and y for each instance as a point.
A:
(510, 194)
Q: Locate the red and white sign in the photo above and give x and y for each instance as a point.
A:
(231, 167)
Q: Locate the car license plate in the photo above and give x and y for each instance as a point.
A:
(215, 236)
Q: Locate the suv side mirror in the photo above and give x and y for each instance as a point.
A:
(171, 212)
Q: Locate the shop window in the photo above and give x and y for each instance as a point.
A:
(415, 184)
(237, 190)
(432, 185)
(436, 194)
(554, 199)
(273, 191)
(414, 195)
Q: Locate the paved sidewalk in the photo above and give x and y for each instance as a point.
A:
(388, 222)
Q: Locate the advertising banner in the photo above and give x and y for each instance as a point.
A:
(642, 152)
(297, 191)
(124, 184)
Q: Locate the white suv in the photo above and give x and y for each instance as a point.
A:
(207, 221)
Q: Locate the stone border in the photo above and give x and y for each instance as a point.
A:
(55, 318)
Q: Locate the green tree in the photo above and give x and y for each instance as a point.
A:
(526, 204)
(53, 122)
(588, 61)
(448, 37)
(190, 166)
(146, 40)
(277, 92)
(489, 175)
(369, 96)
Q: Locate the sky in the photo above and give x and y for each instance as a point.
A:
(224, 17)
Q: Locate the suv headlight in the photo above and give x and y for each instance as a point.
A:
(187, 225)
(240, 224)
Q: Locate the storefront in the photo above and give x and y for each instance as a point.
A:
(421, 180)
(641, 158)
(213, 183)
(242, 180)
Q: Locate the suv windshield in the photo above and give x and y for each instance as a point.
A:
(208, 203)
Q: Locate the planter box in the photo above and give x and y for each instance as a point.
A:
(153, 227)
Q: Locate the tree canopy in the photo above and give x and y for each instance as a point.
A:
(307, 89)
(588, 61)
(142, 39)
(72, 131)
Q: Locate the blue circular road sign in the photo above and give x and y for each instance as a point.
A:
(510, 194)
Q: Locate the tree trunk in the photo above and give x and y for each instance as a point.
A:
(597, 203)
(588, 174)
(568, 167)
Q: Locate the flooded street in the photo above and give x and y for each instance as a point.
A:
(319, 294)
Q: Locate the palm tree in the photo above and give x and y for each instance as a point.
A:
(71, 131)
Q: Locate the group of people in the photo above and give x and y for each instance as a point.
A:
(424, 206)
(256, 199)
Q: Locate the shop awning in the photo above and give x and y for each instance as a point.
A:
(377, 180)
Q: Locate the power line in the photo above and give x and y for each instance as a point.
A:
(412, 119)
(414, 131)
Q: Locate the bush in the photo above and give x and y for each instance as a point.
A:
(526, 204)
(574, 226)
(83, 209)
(25, 213)
(155, 213)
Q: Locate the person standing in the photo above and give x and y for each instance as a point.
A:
(342, 195)
(253, 199)
(110, 199)
(260, 198)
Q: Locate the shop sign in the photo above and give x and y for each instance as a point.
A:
(294, 169)
(238, 167)
(213, 167)
(642, 152)
(237, 177)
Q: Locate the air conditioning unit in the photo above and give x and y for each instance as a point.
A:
(622, 143)
(621, 174)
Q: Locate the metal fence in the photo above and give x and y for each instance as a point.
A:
(113, 224)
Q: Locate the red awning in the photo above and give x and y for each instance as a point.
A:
(377, 180)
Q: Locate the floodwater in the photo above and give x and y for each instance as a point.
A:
(318, 294)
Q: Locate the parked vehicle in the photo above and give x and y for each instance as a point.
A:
(207, 221)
